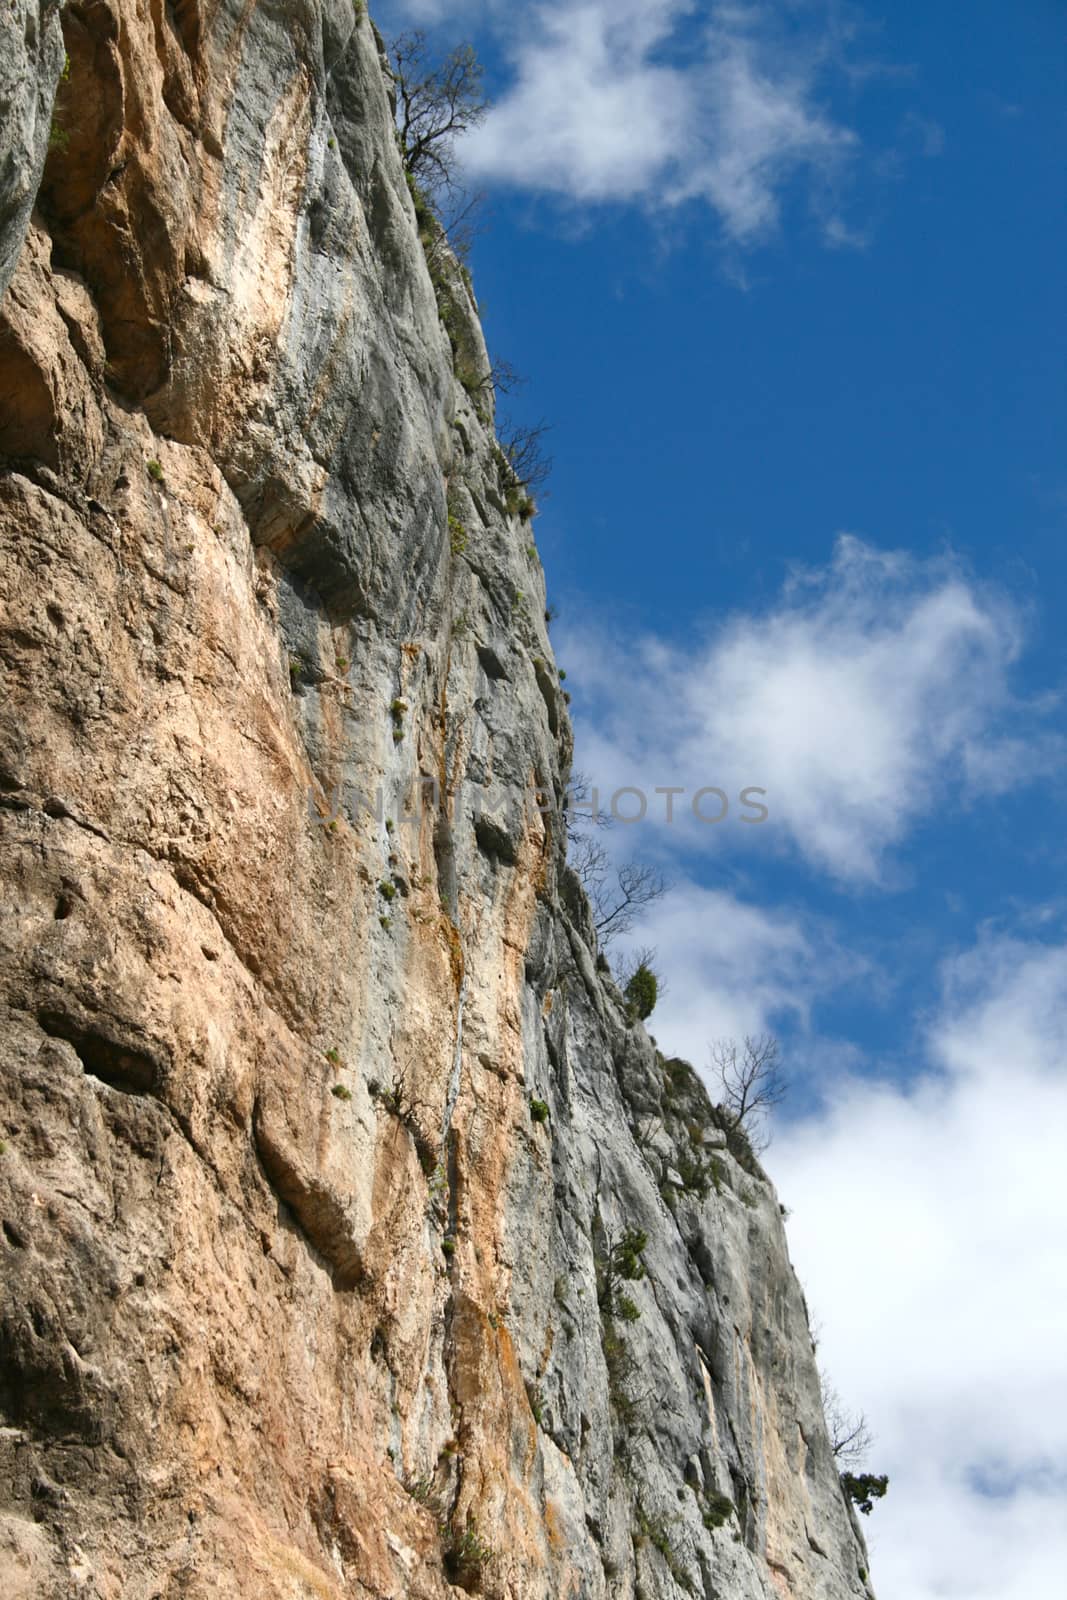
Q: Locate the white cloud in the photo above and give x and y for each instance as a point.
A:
(732, 968)
(661, 102)
(590, 115)
(872, 692)
(928, 1224)
(756, 125)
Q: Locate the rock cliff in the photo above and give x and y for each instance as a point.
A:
(354, 1240)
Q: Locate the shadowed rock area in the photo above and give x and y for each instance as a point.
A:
(298, 1298)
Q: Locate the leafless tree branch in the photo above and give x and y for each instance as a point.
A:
(580, 796)
(750, 1082)
(522, 444)
(644, 955)
(589, 859)
(436, 105)
(617, 906)
(850, 1437)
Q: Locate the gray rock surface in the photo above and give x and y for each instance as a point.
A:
(298, 1296)
(31, 59)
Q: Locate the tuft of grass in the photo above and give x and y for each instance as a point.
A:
(653, 1531)
(619, 1364)
(339, 1092)
(693, 1173)
(423, 209)
(626, 1255)
(333, 1057)
(538, 1111)
(466, 1556)
(387, 890)
(718, 1509)
(533, 1395)
(448, 1246)
(154, 469)
(386, 922)
(457, 535)
(656, 1531)
(472, 380)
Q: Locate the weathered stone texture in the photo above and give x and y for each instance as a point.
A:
(31, 60)
(295, 1290)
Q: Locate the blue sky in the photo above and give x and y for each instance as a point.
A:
(787, 280)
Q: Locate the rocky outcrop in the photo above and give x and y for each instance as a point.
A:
(355, 1242)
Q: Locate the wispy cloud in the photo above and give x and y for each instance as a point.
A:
(663, 103)
(873, 691)
(734, 968)
(758, 123)
(928, 1224)
(591, 115)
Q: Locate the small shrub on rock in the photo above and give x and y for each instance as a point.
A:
(466, 1557)
(642, 992)
(863, 1489)
(718, 1508)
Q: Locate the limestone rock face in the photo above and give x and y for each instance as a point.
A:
(31, 59)
(300, 1297)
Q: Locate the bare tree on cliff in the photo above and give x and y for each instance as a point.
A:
(850, 1437)
(523, 444)
(750, 1083)
(436, 105)
(617, 897)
